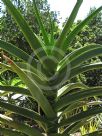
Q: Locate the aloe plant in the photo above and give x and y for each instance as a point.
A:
(48, 79)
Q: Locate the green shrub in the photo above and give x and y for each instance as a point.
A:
(47, 79)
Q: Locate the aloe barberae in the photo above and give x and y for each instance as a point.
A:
(47, 79)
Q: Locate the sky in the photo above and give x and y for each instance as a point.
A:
(65, 7)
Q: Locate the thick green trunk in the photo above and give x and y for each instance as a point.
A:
(53, 129)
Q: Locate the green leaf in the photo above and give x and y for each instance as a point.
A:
(66, 100)
(20, 126)
(69, 73)
(86, 56)
(4, 67)
(28, 67)
(44, 33)
(17, 90)
(9, 132)
(78, 28)
(2, 70)
(67, 88)
(73, 56)
(80, 104)
(69, 128)
(83, 115)
(73, 106)
(13, 50)
(38, 77)
(39, 80)
(3, 94)
(75, 126)
(35, 91)
(84, 68)
(28, 33)
(22, 111)
(67, 68)
(52, 25)
(62, 38)
(35, 75)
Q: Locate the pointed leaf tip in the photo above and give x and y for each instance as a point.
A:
(9, 61)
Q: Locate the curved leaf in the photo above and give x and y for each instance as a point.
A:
(4, 67)
(38, 77)
(66, 100)
(70, 73)
(9, 132)
(22, 111)
(13, 50)
(75, 126)
(2, 70)
(34, 75)
(67, 88)
(14, 89)
(76, 54)
(69, 128)
(28, 67)
(79, 124)
(78, 60)
(83, 115)
(3, 94)
(86, 56)
(84, 68)
(69, 67)
(80, 104)
(20, 126)
(7, 67)
(35, 91)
